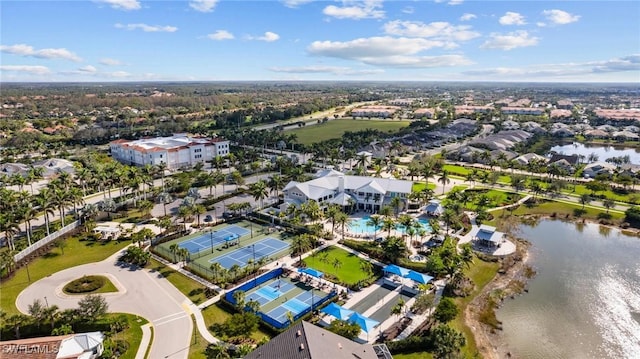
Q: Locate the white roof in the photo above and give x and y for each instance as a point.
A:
(79, 343)
(330, 184)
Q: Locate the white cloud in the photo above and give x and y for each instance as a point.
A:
(467, 17)
(541, 24)
(295, 3)
(387, 51)
(147, 28)
(110, 62)
(123, 4)
(455, 2)
(117, 74)
(88, 69)
(268, 37)
(366, 9)
(560, 17)
(203, 5)
(334, 70)
(510, 41)
(408, 10)
(627, 63)
(512, 18)
(436, 30)
(27, 69)
(221, 35)
(26, 50)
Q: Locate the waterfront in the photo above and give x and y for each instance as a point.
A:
(602, 151)
(584, 301)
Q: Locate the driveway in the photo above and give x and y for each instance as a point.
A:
(142, 292)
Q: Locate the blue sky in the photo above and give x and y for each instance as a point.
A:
(209, 40)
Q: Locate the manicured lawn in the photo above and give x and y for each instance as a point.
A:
(76, 252)
(132, 335)
(348, 271)
(215, 314)
(419, 186)
(481, 273)
(562, 209)
(336, 128)
(498, 198)
(418, 355)
(190, 288)
(197, 345)
(456, 170)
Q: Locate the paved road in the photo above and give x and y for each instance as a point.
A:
(143, 292)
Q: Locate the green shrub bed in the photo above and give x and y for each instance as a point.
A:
(86, 284)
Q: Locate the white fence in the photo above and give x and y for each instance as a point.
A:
(46, 240)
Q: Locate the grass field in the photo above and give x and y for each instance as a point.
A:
(562, 210)
(190, 288)
(198, 345)
(419, 186)
(336, 128)
(133, 335)
(348, 271)
(418, 355)
(76, 252)
(481, 273)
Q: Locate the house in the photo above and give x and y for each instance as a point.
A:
(532, 127)
(424, 113)
(562, 132)
(510, 125)
(307, 341)
(71, 346)
(528, 157)
(566, 162)
(596, 134)
(434, 208)
(488, 235)
(55, 166)
(375, 111)
(179, 150)
(596, 168)
(359, 192)
(625, 136)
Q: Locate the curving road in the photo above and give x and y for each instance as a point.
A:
(141, 291)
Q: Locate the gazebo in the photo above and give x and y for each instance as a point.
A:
(487, 235)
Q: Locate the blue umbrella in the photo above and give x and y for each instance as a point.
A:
(419, 277)
(337, 311)
(392, 268)
(311, 271)
(367, 324)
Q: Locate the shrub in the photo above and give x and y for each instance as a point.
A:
(86, 284)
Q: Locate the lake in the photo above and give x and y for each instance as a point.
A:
(585, 300)
(603, 152)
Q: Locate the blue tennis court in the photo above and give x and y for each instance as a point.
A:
(255, 296)
(206, 240)
(293, 305)
(264, 248)
(281, 286)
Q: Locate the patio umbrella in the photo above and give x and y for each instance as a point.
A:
(394, 269)
(367, 324)
(311, 272)
(419, 277)
(337, 311)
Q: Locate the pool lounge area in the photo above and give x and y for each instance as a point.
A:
(360, 226)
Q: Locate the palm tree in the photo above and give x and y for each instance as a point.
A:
(10, 227)
(198, 210)
(608, 203)
(28, 214)
(300, 245)
(376, 222)
(216, 269)
(174, 249)
(276, 183)
(312, 210)
(362, 161)
(388, 224)
(585, 199)
(184, 212)
(427, 171)
(259, 191)
(44, 200)
(444, 179)
(396, 203)
(343, 220)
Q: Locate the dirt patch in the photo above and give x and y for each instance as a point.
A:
(480, 314)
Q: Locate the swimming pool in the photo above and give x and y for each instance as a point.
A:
(360, 225)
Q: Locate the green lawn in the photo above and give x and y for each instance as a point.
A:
(348, 271)
(336, 128)
(198, 345)
(132, 335)
(215, 314)
(562, 209)
(419, 186)
(107, 287)
(418, 355)
(481, 273)
(76, 252)
(498, 198)
(190, 288)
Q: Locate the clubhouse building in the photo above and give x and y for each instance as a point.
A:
(179, 150)
(350, 192)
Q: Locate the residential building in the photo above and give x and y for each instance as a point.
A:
(375, 111)
(71, 346)
(179, 150)
(535, 111)
(356, 192)
(307, 341)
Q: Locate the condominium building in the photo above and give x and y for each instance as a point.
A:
(179, 150)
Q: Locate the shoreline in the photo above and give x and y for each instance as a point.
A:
(490, 342)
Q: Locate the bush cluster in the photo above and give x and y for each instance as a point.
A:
(86, 284)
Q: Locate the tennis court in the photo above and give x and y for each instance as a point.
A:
(208, 239)
(295, 305)
(241, 256)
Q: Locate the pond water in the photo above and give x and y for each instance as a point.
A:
(585, 300)
(603, 152)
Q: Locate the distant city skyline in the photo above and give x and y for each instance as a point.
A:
(308, 40)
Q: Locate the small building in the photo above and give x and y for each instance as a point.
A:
(596, 168)
(434, 208)
(71, 346)
(488, 236)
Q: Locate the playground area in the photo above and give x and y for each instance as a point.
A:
(233, 245)
(283, 295)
